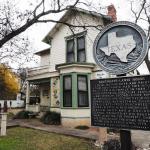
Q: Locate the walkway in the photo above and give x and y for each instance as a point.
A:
(62, 130)
(35, 124)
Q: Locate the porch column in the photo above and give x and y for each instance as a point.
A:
(27, 95)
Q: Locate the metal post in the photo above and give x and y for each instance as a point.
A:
(125, 138)
(125, 135)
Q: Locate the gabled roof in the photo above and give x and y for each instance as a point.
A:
(64, 18)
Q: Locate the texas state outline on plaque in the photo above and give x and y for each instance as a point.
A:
(121, 46)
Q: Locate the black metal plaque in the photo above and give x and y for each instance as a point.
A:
(122, 102)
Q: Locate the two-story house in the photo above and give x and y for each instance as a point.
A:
(63, 79)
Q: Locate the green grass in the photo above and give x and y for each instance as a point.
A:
(28, 139)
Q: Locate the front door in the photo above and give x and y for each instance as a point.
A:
(45, 98)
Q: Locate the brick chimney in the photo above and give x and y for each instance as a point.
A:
(112, 12)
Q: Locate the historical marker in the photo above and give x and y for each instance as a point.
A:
(120, 47)
(122, 102)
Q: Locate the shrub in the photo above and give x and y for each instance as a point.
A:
(82, 127)
(51, 118)
(22, 115)
(112, 145)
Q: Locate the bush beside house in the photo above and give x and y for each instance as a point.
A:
(51, 118)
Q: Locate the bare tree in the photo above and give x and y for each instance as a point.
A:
(141, 12)
(11, 26)
(22, 73)
(14, 21)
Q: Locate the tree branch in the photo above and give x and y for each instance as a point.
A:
(142, 7)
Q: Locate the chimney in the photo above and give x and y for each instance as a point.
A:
(112, 12)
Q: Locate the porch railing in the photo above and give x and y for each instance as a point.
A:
(33, 108)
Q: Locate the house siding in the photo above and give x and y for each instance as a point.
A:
(45, 60)
(58, 49)
(75, 117)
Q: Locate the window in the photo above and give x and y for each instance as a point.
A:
(82, 91)
(76, 49)
(74, 90)
(67, 91)
(81, 49)
(70, 51)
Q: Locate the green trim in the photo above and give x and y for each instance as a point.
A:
(61, 91)
(74, 90)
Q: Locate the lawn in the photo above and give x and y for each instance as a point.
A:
(28, 139)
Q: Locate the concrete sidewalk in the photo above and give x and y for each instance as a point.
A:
(62, 130)
(34, 124)
(90, 134)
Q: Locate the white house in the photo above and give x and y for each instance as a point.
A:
(63, 79)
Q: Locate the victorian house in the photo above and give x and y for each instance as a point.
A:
(62, 82)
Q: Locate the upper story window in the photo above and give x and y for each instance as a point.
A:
(81, 49)
(70, 51)
(76, 49)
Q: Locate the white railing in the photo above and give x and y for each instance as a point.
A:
(33, 108)
(12, 103)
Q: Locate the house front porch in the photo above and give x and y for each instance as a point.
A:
(38, 95)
